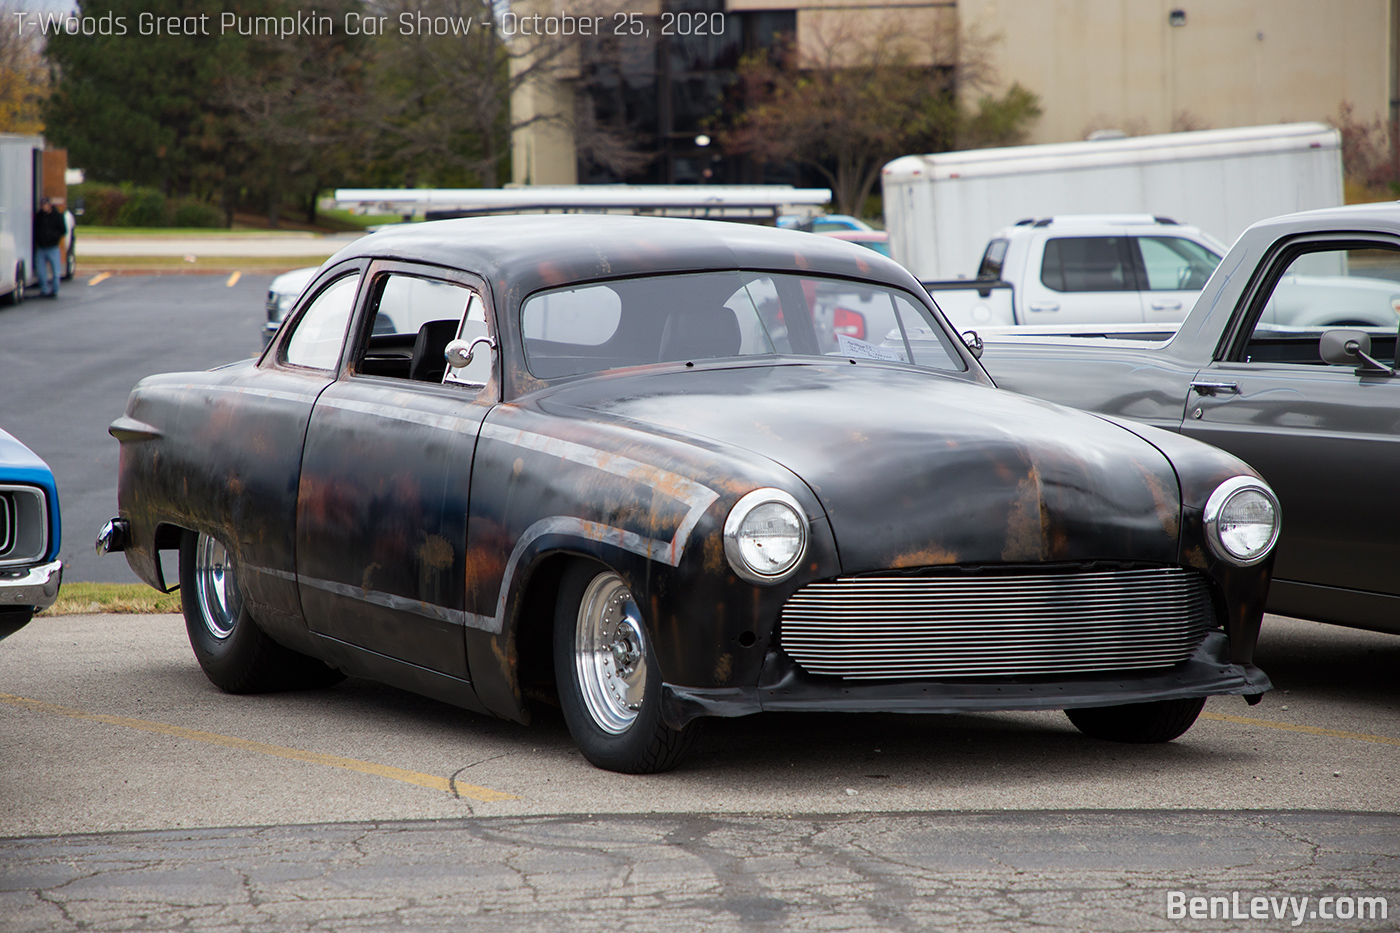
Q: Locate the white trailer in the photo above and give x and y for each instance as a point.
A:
(941, 209)
(21, 173)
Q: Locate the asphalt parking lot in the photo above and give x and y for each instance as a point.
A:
(134, 795)
(67, 365)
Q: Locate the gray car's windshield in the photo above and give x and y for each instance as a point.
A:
(631, 322)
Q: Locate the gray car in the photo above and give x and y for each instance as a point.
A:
(1315, 407)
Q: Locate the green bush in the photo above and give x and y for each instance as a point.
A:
(189, 213)
(132, 206)
(101, 203)
(144, 207)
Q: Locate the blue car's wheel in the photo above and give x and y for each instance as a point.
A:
(236, 655)
(609, 685)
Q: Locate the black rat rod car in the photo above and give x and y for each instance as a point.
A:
(658, 469)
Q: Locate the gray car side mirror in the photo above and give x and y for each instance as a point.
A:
(1350, 348)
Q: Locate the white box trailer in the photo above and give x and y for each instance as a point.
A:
(941, 209)
(21, 178)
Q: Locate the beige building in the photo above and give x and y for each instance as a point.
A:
(1153, 66)
(1140, 66)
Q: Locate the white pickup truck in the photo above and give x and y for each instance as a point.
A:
(1084, 269)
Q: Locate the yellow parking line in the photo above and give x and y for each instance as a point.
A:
(1310, 730)
(99, 277)
(233, 279)
(433, 781)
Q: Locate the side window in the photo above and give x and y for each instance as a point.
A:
(414, 320)
(1174, 263)
(1086, 264)
(1328, 288)
(320, 330)
(992, 259)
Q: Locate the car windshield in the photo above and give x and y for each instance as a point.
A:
(631, 322)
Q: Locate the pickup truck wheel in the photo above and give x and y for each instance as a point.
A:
(609, 684)
(236, 655)
(1139, 723)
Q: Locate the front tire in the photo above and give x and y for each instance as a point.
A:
(609, 683)
(1138, 723)
(236, 655)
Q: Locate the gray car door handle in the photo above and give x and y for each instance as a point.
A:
(1166, 306)
(1207, 387)
(1044, 306)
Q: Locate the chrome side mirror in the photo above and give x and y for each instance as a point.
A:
(1350, 347)
(459, 352)
(974, 342)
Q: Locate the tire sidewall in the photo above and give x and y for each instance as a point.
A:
(623, 751)
(223, 659)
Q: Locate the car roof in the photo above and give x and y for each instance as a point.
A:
(524, 252)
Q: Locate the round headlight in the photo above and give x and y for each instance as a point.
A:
(1242, 520)
(765, 536)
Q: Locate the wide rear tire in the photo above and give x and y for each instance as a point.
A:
(1138, 723)
(236, 655)
(609, 683)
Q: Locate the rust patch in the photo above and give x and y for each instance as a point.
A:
(436, 553)
(928, 557)
(1025, 524)
(724, 668)
(1195, 557)
(713, 551)
(235, 486)
(1168, 508)
(367, 581)
(517, 466)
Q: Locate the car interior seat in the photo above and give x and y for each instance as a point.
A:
(699, 334)
(428, 363)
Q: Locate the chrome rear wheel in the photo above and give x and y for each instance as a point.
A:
(216, 587)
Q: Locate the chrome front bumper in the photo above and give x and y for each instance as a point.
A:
(32, 586)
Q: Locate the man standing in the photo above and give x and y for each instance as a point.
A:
(49, 230)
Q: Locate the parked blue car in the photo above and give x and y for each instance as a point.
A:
(30, 535)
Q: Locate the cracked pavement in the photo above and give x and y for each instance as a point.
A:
(135, 796)
(1081, 870)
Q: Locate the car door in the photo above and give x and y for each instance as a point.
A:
(261, 420)
(1081, 280)
(1327, 438)
(1173, 270)
(386, 472)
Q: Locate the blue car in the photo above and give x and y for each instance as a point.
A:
(30, 570)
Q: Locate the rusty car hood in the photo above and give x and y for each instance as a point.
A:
(915, 469)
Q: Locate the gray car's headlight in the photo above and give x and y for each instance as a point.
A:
(765, 536)
(1242, 520)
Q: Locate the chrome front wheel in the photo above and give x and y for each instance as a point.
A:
(605, 669)
(610, 653)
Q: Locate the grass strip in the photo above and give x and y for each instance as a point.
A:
(80, 598)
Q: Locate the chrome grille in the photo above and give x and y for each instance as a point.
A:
(881, 628)
(24, 524)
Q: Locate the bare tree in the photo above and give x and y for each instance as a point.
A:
(854, 97)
